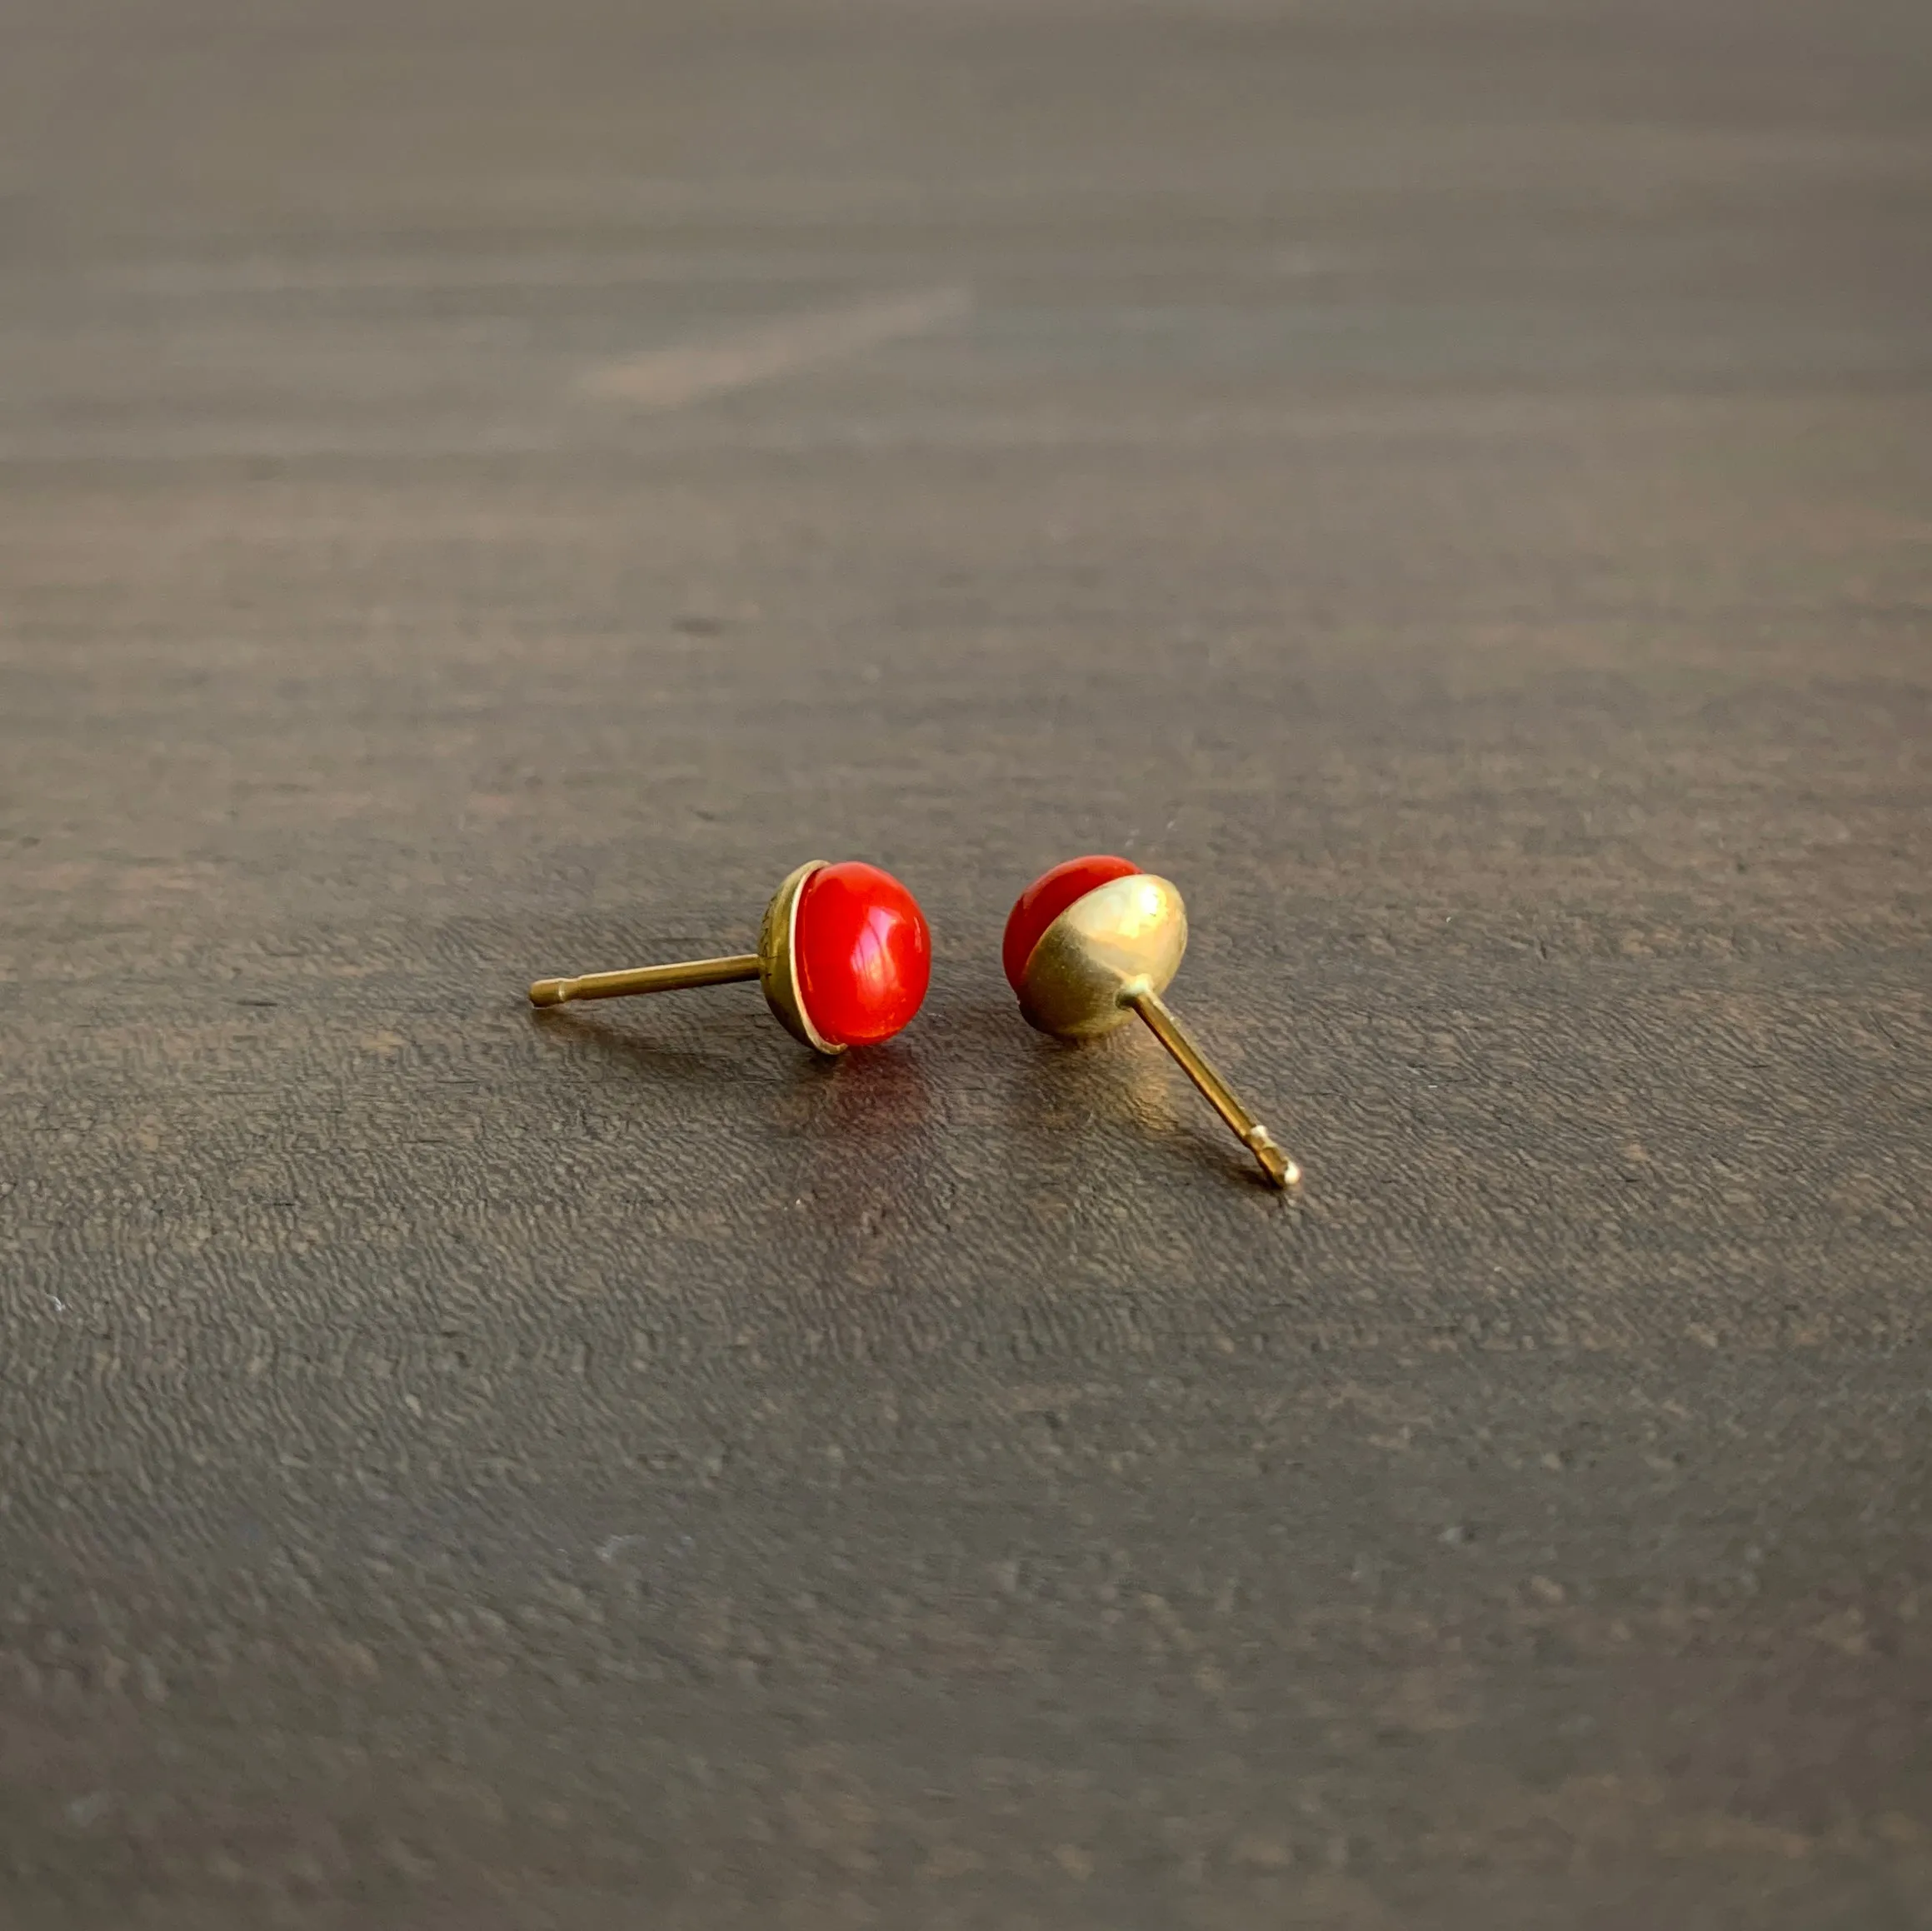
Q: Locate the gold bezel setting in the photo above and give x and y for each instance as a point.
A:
(778, 961)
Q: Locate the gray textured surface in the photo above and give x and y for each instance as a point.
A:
(1449, 486)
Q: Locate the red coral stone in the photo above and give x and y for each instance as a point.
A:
(1046, 899)
(864, 953)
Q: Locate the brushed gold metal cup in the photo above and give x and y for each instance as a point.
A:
(1109, 957)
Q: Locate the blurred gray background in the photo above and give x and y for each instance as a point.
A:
(485, 489)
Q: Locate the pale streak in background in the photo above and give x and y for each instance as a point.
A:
(671, 378)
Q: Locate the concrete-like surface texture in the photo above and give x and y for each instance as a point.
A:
(485, 489)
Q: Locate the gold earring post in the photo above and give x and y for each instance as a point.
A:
(774, 965)
(1160, 1021)
(646, 979)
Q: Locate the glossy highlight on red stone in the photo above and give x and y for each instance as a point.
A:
(1046, 898)
(863, 952)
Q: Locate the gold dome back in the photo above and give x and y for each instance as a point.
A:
(1124, 936)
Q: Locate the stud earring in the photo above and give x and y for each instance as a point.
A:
(1097, 939)
(844, 956)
